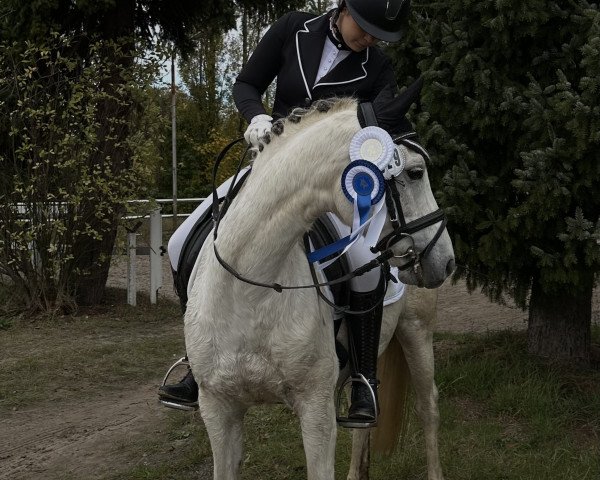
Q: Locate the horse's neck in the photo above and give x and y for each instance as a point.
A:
(283, 196)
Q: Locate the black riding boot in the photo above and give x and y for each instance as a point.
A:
(364, 330)
(185, 392)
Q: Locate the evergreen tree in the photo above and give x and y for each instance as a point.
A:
(511, 112)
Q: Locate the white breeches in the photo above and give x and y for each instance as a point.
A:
(178, 238)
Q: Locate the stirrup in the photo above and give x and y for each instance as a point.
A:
(351, 422)
(188, 407)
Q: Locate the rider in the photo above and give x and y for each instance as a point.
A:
(314, 57)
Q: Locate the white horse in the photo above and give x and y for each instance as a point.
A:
(249, 345)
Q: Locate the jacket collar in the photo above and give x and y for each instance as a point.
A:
(309, 46)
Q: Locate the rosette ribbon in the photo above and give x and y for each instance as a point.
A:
(363, 184)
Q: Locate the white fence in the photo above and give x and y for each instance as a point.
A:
(157, 249)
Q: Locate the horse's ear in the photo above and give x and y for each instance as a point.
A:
(390, 109)
(410, 95)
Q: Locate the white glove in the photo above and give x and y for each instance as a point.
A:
(259, 126)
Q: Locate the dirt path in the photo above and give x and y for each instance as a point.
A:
(78, 440)
(85, 440)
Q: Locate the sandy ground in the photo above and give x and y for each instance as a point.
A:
(87, 441)
(78, 440)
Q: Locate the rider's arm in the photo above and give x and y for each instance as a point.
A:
(260, 70)
(385, 77)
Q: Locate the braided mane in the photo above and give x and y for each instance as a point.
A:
(301, 118)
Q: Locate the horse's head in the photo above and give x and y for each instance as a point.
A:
(415, 232)
(311, 149)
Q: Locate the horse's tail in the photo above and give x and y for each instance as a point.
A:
(393, 399)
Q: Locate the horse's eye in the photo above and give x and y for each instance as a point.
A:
(415, 173)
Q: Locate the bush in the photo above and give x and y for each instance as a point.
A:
(77, 146)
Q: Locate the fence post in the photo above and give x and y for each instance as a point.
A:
(131, 274)
(155, 253)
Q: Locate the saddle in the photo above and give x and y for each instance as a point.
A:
(193, 244)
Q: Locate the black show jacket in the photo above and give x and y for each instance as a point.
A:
(291, 51)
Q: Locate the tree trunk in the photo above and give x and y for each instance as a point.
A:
(91, 286)
(94, 260)
(560, 324)
(245, 55)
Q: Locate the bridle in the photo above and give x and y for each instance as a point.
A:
(401, 229)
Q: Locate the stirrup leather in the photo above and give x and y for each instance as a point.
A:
(351, 422)
(171, 403)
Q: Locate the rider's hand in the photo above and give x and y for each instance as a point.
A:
(259, 126)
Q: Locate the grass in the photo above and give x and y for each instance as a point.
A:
(505, 416)
(80, 355)
(181, 451)
(537, 427)
(508, 416)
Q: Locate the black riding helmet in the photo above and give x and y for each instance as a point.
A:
(383, 19)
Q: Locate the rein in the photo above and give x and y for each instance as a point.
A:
(219, 211)
(401, 229)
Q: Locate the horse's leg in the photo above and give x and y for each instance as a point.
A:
(415, 332)
(359, 462)
(317, 420)
(224, 421)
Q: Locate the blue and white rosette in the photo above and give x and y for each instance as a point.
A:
(371, 150)
(363, 185)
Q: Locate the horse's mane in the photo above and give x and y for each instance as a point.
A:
(301, 118)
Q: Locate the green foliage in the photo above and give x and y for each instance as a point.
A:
(113, 116)
(61, 194)
(207, 119)
(510, 111)
(198, 144)
(112, 19)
